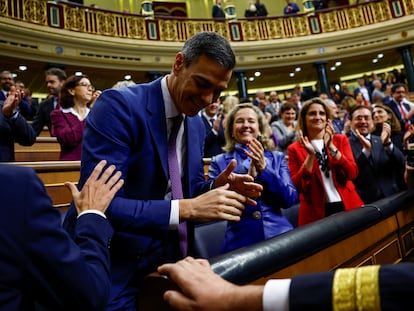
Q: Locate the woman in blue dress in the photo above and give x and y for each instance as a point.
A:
(249, 143)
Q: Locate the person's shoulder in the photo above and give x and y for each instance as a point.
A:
(9, 174)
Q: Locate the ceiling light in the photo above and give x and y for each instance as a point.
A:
(127, 77)
(78, 73)
(333, 68)
(257, 74)
(14, 75)
(337, 64)
(292, 74)
(375, 60)
(298, 69)
(380, 55)
(251, 79)
(22, 68)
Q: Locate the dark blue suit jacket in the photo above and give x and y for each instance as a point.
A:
(39, 262)
(314, 291)
(381, 174)
(127, 127)
(14, 129)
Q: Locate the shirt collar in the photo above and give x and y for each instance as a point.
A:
(170, 108)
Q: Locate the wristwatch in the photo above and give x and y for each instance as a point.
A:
(334, 153)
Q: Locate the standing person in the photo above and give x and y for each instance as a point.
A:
(217, 11)
(291, 8)
(380, 163)
(248, 142)
(272, 110)
(260, 9)
(214, 141)
(6, 82)
(55, 78)
(383, 114)
(322, 165)
(13, 126)
(402, 109)
(40, 265)
(337, 122)
(131, 127)
(284, 129)
(68, 122)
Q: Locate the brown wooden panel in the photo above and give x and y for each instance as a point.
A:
(390, 253)
(59, 194)
(353, 251)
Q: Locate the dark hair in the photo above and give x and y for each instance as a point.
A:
(287, 106)
(397, 86)
(66, 98)
(356, 108)
(56, 72)
(213, 46)
(301, 124)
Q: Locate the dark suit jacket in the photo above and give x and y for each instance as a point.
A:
(312, 194)
(396, 109)
(13, 129)
(217, 12)
(39, 263)
(395, 282)
(378, 176)
(127, 127)
(213, 143)
(42, 116)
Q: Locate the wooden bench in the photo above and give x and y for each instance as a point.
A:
(54, 174)
(44, 149)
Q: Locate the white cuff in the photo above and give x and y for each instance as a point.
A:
(276, 295)
(92, 211)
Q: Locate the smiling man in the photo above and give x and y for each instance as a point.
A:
(130, 128)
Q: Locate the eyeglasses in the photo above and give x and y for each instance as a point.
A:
(88, 86)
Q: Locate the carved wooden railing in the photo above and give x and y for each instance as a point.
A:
(82, 19)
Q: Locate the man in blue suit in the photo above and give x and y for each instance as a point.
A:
(130, 127)
(370, 288)
(40, 265)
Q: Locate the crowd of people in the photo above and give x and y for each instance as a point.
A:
(266, 155)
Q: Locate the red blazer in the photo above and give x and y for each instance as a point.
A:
(309, 184)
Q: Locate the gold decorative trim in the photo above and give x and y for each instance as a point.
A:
(343, 290)
(367, 289)
(356, 289)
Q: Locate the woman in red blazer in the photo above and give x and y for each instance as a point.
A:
(322, 165)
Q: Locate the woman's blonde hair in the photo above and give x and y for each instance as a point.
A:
(264, 128)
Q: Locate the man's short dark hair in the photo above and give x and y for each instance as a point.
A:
(56, 72)
(213, 46)
(396, 86)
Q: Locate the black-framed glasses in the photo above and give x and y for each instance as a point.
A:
(88, 86)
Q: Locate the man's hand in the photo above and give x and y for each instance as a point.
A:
(98, 191)
(12, 100)
(366, 144)
(241, 183)
(202, 289)
(216, 204)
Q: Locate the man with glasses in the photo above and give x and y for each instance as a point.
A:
(381, 165)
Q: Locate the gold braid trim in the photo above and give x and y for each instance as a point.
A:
(343, 290)
(367, 289)
(356, 289)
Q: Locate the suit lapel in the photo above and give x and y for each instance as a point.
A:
(156, 123)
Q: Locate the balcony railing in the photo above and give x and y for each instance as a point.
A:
(82, 19)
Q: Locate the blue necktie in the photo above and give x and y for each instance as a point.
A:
(175, 178)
